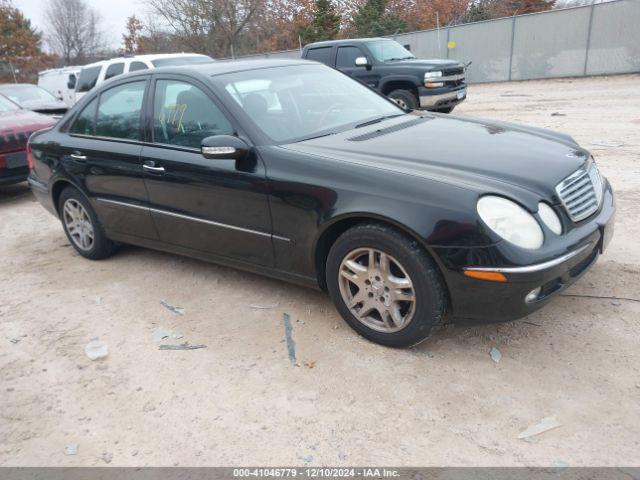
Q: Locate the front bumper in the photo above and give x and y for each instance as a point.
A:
(488, 301)
(444, 97)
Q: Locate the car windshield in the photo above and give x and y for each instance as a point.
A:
(176, 61)
(389, 51)
(26, 93)
(7, 105)
(299, 102)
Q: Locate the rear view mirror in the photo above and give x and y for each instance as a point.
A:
(224, 147)
(362, 62)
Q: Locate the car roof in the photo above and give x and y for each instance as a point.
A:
(148, 56)
(72, 68)
(231, 66)
(328, 43)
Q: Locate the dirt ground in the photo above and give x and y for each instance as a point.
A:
(240, 401)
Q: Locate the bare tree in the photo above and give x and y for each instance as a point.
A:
(208, 26)
(73, 30)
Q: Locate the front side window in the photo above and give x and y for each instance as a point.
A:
(322, 55)
(84, 123)
(293, 103)
(113, 70)
(88, 79)
(347, 57)
(119, 111)
(184, 115)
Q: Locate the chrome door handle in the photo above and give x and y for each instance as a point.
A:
(78, 157)
(153, 169)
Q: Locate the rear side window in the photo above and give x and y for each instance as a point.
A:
(135, 66)
(85, 121)
(347, 57)
(119, 111)
(113, 70)
(322, 54)
(88, 78)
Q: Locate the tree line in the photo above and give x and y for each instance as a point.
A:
(226, 28)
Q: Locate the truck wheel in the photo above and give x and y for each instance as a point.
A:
(405, 99)
(385, 286)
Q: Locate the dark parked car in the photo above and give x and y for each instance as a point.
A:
(294, 170)
(385, 65)
(16, 124)
(32, 97)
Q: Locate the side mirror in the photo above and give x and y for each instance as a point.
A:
(362, 62)
(71, 83)
(224, 147)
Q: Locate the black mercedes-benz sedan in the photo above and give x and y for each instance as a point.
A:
(294, 170)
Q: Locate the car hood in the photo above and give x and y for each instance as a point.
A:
(488, 156)
(45, 106)
(16, 126)
(427, 64)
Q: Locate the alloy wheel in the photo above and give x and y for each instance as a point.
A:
(377, 290)
(78, 224)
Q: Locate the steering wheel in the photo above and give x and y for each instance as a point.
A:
(328, 112)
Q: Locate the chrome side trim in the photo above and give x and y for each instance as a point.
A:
(193, 219)
(122, 204)
(208, 222)
(532, 268)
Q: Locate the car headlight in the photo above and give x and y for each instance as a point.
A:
(510, 221)
(429, 78)
(550, 218)
(429, 75)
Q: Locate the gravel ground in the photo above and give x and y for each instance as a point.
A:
(349, 402)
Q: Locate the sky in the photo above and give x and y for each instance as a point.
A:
(114, 15)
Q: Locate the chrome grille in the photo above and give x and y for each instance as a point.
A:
(581, 192)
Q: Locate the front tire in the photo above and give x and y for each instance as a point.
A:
(385, 285)
(82, 227)
(405, 99)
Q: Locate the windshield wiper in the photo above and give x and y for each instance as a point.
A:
(378, 120)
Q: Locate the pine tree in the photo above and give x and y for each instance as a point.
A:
(325, 24)
(20, 45)
(373, 19)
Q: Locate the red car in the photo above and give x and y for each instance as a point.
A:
(16, 125)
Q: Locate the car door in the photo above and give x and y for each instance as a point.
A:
(346, 62)
(215, 206)
(101, 151)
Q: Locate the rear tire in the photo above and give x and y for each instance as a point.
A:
(397, 308)
(405, 99)
(81, 225)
